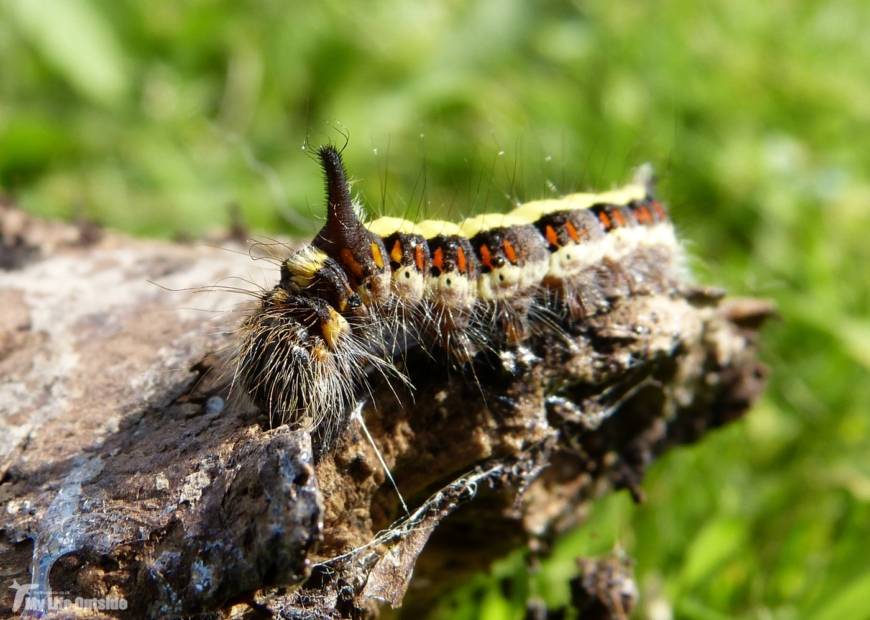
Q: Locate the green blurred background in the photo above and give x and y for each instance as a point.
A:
(154, 116)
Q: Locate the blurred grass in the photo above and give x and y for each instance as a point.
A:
(153, 117)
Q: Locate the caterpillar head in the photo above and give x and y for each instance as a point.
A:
(301, 362)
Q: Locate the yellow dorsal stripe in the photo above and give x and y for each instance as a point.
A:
(533, 211)
(383, 227)
(432, 228)
(528, 213)
(476, 225)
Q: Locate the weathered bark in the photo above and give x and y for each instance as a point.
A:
(129, 469)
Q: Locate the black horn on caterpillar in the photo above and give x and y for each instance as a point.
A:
(346, 239)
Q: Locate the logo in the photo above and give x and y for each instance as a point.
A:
(29, 598)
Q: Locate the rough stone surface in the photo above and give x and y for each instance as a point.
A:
(128, 468)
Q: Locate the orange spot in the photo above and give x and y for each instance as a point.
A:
(552, 237)
(640, 215)
(605, 221)
(617, 216)
(438, 259)
(510, 252)
(376, 255)
(350, 262)
(658, 209)
(419, 258)
(461, 261)
(396, 252)
(643, 215)
(485, 256)
(572, 232)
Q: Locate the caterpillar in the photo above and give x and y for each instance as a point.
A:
(365, 292)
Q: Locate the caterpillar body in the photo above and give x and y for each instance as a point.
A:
(363, 293)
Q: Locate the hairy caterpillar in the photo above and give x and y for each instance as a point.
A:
(363, 292)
